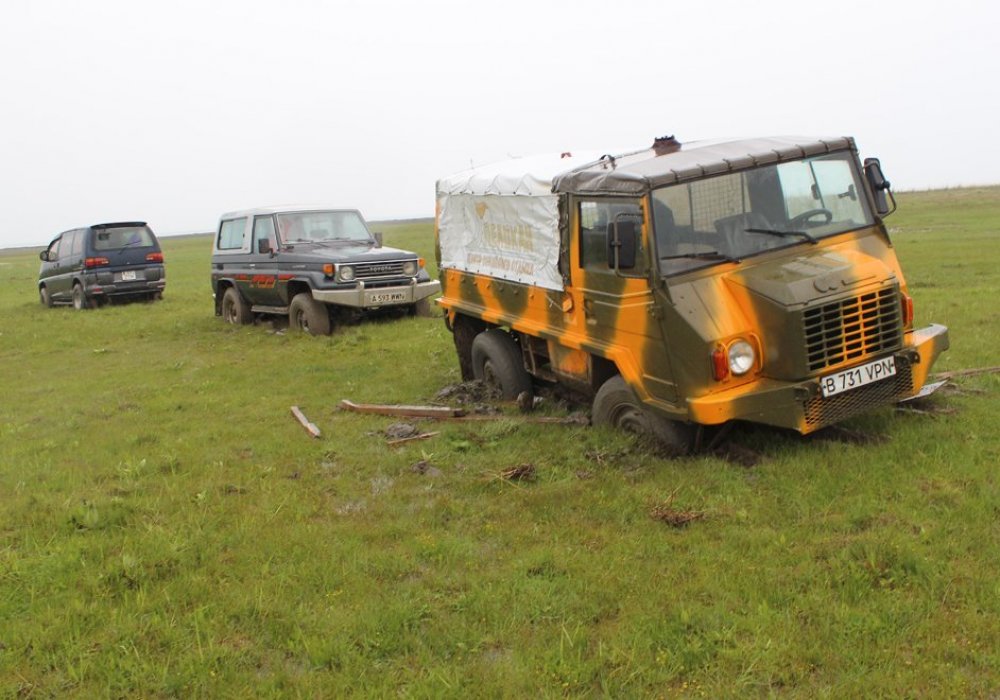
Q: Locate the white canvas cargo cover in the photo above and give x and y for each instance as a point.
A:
(502, 220)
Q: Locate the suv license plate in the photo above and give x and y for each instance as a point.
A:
(858, 376)
(386, 298)
(128, 276)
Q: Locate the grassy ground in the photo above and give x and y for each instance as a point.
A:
(167, 529)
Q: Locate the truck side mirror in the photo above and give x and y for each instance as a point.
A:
(44, 256)
(378, 239)
(880, 187)
(621, 244)
(263, 246)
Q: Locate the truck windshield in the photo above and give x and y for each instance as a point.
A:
(322, 226)
(738, 215)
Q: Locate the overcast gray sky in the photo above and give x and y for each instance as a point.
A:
(174, 112)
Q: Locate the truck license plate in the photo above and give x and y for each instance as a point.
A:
(387, 298)
(128, 275)
(858, 376)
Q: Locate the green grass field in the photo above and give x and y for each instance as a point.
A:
(168, 529)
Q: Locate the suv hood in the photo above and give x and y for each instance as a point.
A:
(342, 252)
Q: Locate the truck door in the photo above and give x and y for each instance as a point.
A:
(619, 309)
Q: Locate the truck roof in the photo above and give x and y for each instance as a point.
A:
(636, 171)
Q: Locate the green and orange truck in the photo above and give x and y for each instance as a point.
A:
(685, 285)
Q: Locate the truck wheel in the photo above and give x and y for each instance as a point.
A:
(307, 314)
(45, 297)
(496, 360)
(616, 405)
(234, 309)
(80, 300)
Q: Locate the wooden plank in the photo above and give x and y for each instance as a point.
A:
(301, 417)
(400, 441)
(402, 410)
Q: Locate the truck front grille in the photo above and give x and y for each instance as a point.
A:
(820, 412)
(375, 270)
(850, 329)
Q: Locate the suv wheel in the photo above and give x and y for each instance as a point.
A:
(80, 300)
(307, 314)
(45, 297)
(234, 309)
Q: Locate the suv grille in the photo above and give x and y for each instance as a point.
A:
(391, 268)
(853, 328)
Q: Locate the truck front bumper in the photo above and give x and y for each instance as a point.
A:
(801, 405)
(361, 297)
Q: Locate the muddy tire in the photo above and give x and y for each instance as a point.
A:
(615, 405)
(235, 310)
(308, 315)
(496, 360)
(45, 297)
(80, 300)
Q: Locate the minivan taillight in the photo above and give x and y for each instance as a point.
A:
(154, 257)
(95, 262)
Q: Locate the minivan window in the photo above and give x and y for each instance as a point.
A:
(123, 237)
(231, 234)
(69, 244)
(77, 244)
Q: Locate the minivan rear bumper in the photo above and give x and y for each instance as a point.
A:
(109, 283)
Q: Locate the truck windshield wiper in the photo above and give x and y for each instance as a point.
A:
(774, 232)
(704, 255)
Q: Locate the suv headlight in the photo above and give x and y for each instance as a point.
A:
(741, 357)
(410, 268)
(346, 273)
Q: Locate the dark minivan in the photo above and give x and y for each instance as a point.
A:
(88, 267)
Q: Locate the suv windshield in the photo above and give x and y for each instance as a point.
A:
(737, 215)
(319, 226)
(122, 237)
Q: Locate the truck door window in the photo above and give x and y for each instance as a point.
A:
(231, 234)
(594, 217)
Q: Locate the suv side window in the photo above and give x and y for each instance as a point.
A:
(53, 251)
(231, 234)
(263, 230)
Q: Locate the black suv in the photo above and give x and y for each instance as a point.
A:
(311, 264)
(90, 266)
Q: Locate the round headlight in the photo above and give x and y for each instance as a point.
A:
(347, 273)
(410, 268)
(741, 357)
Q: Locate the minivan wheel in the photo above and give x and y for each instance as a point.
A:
(45, 297)
(234, 309)
(307, 314)
(496, 360)
(80, 301)
(615, 405)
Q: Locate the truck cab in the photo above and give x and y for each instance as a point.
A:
(691, 285)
